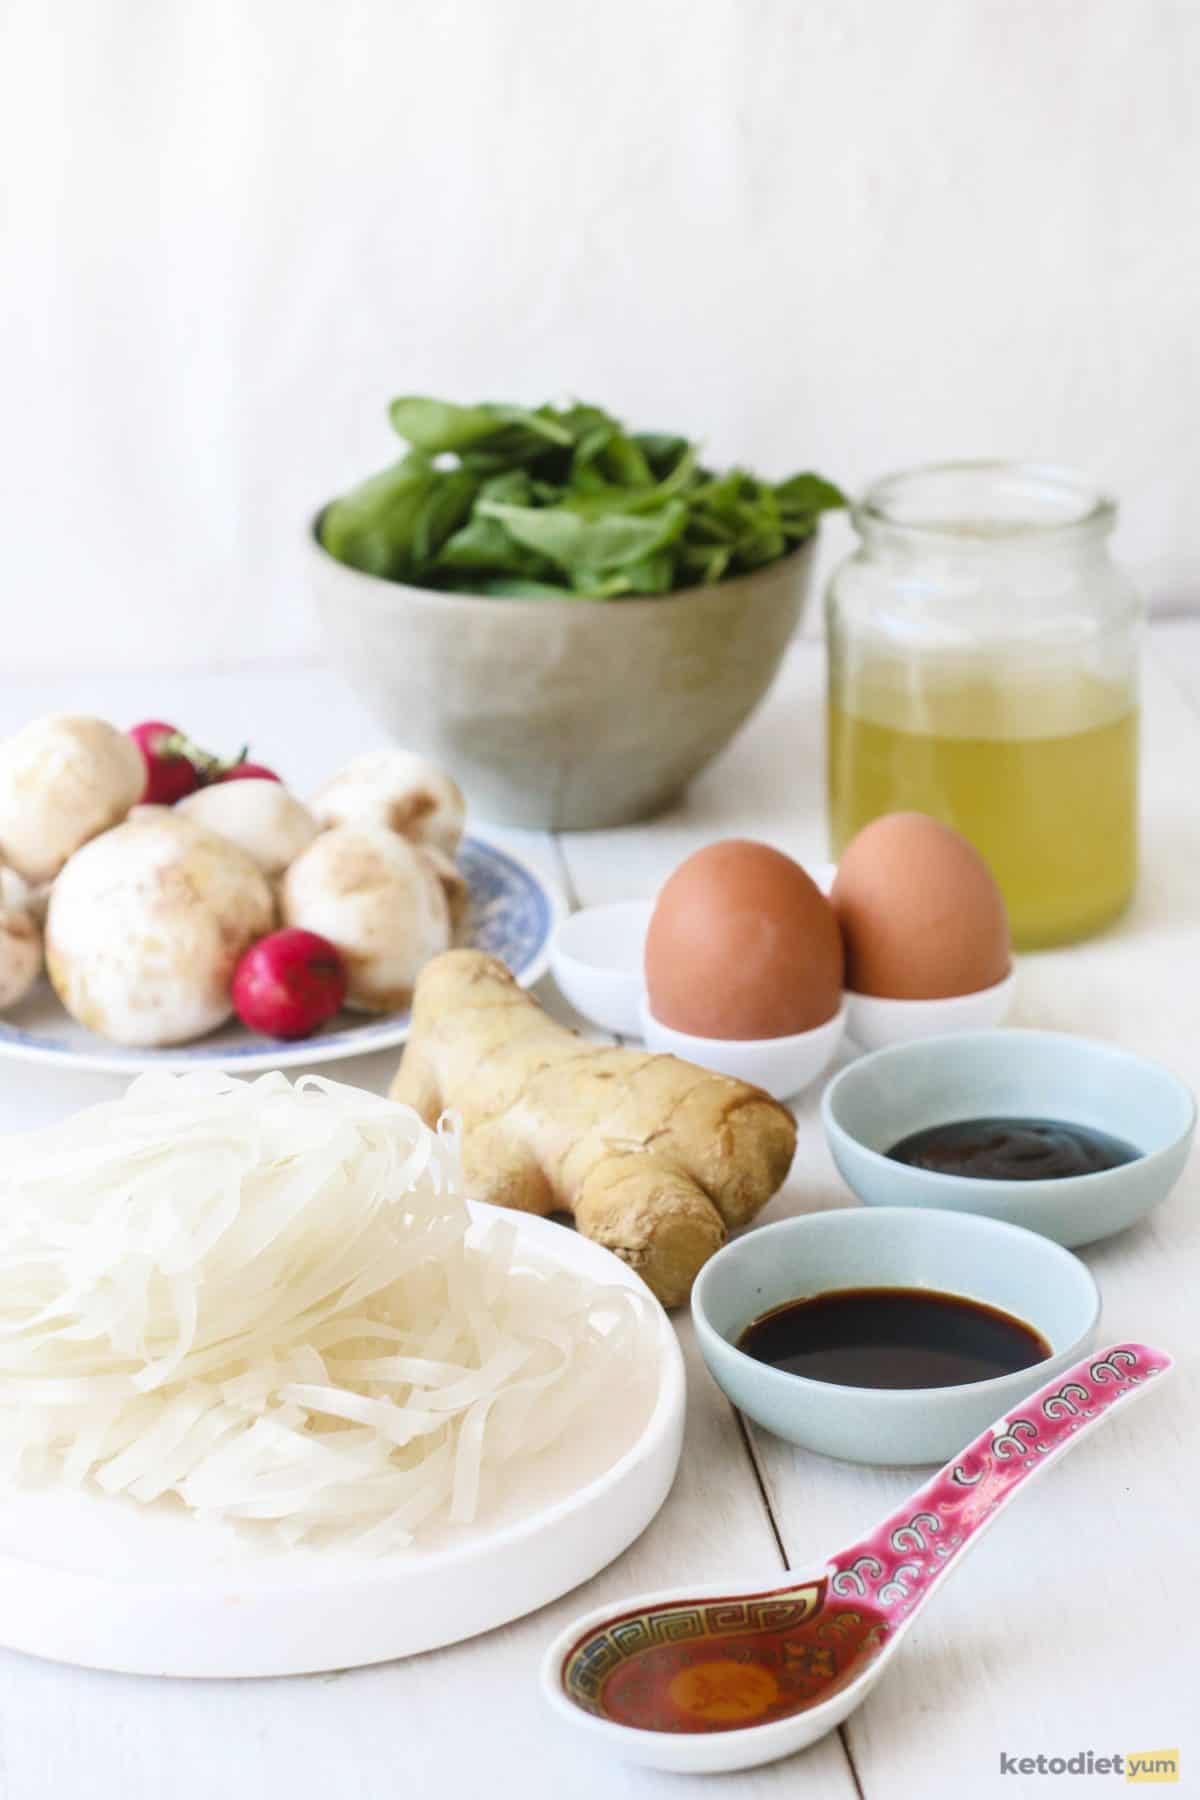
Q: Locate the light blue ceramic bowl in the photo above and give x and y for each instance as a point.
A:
(875, 1102)
(952, 1253)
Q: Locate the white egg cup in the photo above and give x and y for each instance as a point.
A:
(597, 958)
(784, 1066)
(875, 1024)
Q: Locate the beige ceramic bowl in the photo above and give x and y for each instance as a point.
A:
(562, 713)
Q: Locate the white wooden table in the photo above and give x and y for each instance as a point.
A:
(1072, 1628)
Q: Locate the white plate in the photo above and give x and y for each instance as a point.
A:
(512, 913)
(106, 1583)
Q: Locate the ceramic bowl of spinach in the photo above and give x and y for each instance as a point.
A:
(572, 616)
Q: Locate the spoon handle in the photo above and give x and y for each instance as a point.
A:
(897, 1566)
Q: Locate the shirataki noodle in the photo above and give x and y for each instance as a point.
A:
(261, 1299)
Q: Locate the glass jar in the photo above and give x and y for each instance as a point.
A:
(983, 667)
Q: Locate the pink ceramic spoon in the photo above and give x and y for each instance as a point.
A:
(712, 1680)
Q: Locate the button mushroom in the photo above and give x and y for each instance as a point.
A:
(397, 789)
(454, 883)
(261, 817)
(379, 899)
(20, 941)
(63, 780)
(146, 925)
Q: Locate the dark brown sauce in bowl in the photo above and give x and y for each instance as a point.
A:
(1016, 1149)
(891, 1337)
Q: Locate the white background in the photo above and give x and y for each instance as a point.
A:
(847, 234)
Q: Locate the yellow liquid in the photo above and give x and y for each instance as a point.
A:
(1055, 816)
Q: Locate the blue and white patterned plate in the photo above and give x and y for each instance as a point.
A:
(512, 913)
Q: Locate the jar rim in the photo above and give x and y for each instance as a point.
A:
(987, 503)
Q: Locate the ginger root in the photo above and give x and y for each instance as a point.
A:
(654, 1157)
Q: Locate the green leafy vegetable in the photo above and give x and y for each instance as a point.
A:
(589, 551)
(561, 503)
(374, 527)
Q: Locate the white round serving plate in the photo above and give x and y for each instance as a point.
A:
(152, 1590)
(512, 913)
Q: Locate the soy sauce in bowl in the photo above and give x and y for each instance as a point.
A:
(893, 1337)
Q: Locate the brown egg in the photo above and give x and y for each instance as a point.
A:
(742, 945)
(921, 915)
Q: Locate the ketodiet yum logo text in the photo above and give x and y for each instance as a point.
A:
(1128, 1765)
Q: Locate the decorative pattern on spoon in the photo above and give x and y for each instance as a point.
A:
(726, 1662)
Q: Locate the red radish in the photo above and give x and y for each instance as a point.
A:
(171, 762)
(248, 771)
(289, 983)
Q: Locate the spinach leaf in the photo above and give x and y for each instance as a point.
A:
(561, 502)
(606, 457)
(702, 563)
(483, 547)
(661, 450)
(808, 495)
(599, 496)
(438, 427)
(513, 587)
(446, 506)
(371, 528)
(652, 575)
(588, 549)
